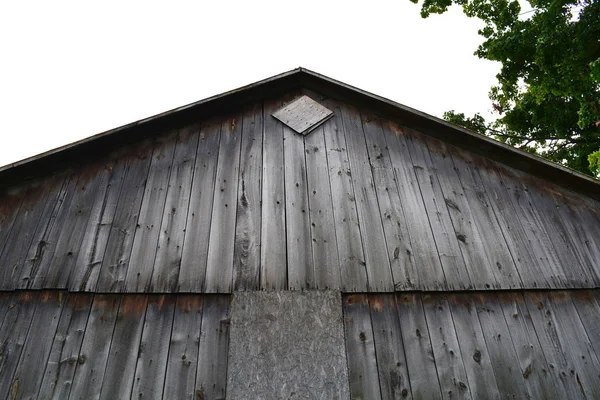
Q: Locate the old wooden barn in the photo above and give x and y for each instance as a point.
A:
(297, 238)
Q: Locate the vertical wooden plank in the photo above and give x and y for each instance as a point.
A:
(91, 363)
(154, 348)
(183, 349)
(123, 355)
(219, 266)
(473, 218)
(377, 262)
(584, 225)
(246, 256)
(536, 235)
(542, 381)
(23, 230)
(509, 377)
(560, 364)
(13, 335)
(324, 243)
(124, 225)
(389, 347)
(420, 359)
(514, 258)
(574, 263)
(211, 375)
(400, 251)
(472, 246)
(41, 251)
(10, 203)
(446, 238)
(360, 348)
(92, 180)
(589, 313)
(33, 252)
(529, 257)
(84, 277)
(273, 254)
(297, 216)
(192, 272)
(424, 248)
(475, 355)
(576, 343)
(64, 355)
(30, 371)
(6, 303)
(353, 274)
(143, 252)
(446, 350)
(173, 226)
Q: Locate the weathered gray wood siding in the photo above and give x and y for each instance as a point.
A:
(473, 345)
(60, 345)
(242, 202)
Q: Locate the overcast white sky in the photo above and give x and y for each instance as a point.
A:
(69, 70)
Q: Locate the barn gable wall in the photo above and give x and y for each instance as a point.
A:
(241, 202)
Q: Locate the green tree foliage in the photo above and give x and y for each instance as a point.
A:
(548, 90)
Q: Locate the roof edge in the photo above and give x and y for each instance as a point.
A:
(304, 78)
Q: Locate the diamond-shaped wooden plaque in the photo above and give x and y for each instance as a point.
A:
(303, 115)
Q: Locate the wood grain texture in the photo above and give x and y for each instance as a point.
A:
(325, 256)
(65, 352)
(22, 232)
(246, 257)
(143, 252)
(149, 377)
(211, 374)
(542, 380)
(43, 247)
(571, 259)
(392, 367)
(273, 253)
(85, 274)
(360, 348)
(192, 272)
(476, 224)
(91, 183)
(12, 197)
(537, 237)
(300, 269)
(377, 263)
(123, 355)
(353, 274)
(575, 343)
(542, 317)
(473, 348)
(446, 238)
(91, 362)
(446, 349)
(509, 377)
(423, 373)
(400, 251)
(165, 274)
(124, 225)
(219, 266)
(529, 257)
(30, 371)
(13, 335)
(182, 364)
(424, 248)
